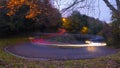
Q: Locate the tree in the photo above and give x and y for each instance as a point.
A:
(75, 22)
(116, 21)
(28, 15)
(95, 25)
(87, 3)
(115, 11)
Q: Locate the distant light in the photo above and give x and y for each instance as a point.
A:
(71, 45)
(91, 49)
(87, 41)
(97, 44)
(31, 38)
(64, 19)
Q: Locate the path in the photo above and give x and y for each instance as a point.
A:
(32, 51)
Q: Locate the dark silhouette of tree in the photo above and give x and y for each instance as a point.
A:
(75, 22)
(95, 25)
(22, 16)
(115, 11)
(116, 21)
(78, 23)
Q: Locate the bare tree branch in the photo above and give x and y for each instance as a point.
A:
(73, 4)
(115, 11)
(118, 4)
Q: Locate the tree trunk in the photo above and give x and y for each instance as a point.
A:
(112, 8)
(118, 5)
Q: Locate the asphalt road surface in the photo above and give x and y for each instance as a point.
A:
(49, 52)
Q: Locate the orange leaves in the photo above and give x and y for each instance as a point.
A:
(31, 14)
(10, 13)
(17, 2)
(33, 11)
(36, 7)
(14, 5)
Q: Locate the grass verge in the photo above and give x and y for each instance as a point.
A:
(9, 61)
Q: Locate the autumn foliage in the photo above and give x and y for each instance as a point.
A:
(28, 15)
(14, 5)
(37, 7)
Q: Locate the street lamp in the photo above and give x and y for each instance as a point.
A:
(64, 19)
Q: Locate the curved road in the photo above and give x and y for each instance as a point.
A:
(48, 52)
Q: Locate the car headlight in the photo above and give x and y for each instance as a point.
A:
(87, 41)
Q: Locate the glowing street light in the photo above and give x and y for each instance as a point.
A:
(84, 29)
(64, 19)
